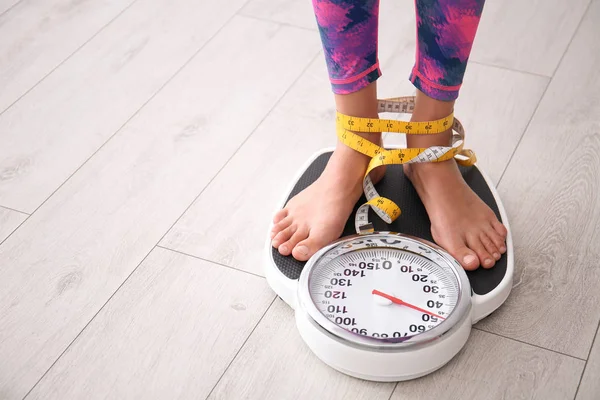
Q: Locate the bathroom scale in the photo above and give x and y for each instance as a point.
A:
(384, 302)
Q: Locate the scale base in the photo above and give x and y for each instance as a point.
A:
(490, 287)
(382, 365)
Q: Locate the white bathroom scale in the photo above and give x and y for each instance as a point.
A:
(389, 305)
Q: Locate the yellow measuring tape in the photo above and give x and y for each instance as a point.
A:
(347, 125)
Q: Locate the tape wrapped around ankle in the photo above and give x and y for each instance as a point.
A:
(346, 126)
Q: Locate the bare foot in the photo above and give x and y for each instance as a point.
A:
(316, 216)
(461, 222)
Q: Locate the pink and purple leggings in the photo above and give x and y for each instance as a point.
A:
(445, 33)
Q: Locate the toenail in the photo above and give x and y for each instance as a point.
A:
(488, 261)
(503, 249)
(470, 259)
(302, 250)
(283, 249)
(497, 256)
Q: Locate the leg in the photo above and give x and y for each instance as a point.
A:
(460, 222)
(317, 215)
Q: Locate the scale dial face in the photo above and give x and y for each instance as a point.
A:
(388, 294)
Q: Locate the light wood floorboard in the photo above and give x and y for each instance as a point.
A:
(276, 364)
(494, 368)
(169, 333)
(49, 133)
(36, 36)
(552, 193)
(65, 262)
(527, 36)
(234, 233)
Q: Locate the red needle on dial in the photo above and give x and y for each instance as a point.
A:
(398, 301)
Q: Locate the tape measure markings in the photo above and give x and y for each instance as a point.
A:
(385, 208)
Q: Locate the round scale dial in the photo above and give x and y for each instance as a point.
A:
(384, 293)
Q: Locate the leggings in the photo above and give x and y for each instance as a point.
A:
(445, 33)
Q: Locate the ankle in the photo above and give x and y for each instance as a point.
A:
(362, 103)
(428, 109)
(429, 177)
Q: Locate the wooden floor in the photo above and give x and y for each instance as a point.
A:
(144, 145)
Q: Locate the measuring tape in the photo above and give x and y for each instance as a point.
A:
(347, 125)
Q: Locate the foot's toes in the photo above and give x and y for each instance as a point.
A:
(279, 215)
(284, 235)
(499, 241)
(306, 248)
(303, 252)
(490, 246)
(499, 228)
(485, 258)
(457, 247)
(287, 247)
(466, 257)
(281, 225)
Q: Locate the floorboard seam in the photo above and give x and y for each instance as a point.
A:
(544, 93)
(209, 261)
(523, 133)
(10, 8)
(529, 344)
(548, 77)
(242, 14)
(586, 361)
(587, 9)
(68, 57)
(15, 210)
(241, 347)
(392, 394)
(14, 230)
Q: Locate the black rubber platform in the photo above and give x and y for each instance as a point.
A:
(413, 220)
